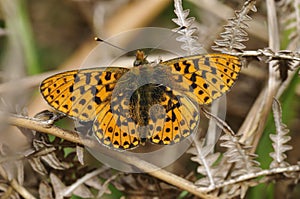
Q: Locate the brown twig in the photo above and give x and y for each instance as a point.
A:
(41, 126)
(254, 124)
(15, 185)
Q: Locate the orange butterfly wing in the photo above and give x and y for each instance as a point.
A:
(206, 77)
(81, 94)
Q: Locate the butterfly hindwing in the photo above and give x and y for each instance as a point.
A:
(177, 119)
(115, 131)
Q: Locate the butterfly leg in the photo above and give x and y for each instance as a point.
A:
(48, 118)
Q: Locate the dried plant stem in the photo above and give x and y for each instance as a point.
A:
(80, 181)
(16, 186)
(21, 190)
(254, 124)
(267, 53)
(224, 11)
(41, 126)
(223, 125)
(105, 184)
(38, 125)
(247, 177)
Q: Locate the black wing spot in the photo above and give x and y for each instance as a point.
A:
(214, 80)
(151, 127)
(108, 88)
(99, 82)
(116, 76)
(206, 61)
(206, 99)
(187, 66)
(132, 131)
(193, 85)
(213, 93)
(156, 137)
(177, 67)
(94, 90)
(88, 78)
(173, 117)
(192, 122)
(97, 100)
(203, 74)
(76, 78)
(108, 75)
(73, 98)
(110, 129)
(82, 101)
(213, 71)
(71, 88)
(193, 77)
(126, 143)
(82, 90)
(85, 115)
(185, 132)
(179, 78)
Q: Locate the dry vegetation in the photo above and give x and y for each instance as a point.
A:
(257, 154)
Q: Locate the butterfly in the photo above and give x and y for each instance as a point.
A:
(150, 101)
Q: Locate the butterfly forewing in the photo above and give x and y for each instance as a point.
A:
(208, 76)
(81, 94)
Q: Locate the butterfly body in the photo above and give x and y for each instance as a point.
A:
(151, 101)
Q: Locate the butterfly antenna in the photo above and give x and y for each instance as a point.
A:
(110, 44)
(167, 40)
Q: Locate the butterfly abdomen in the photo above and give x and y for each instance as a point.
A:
(142, 100)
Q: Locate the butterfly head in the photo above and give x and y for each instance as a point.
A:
(140, 58)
